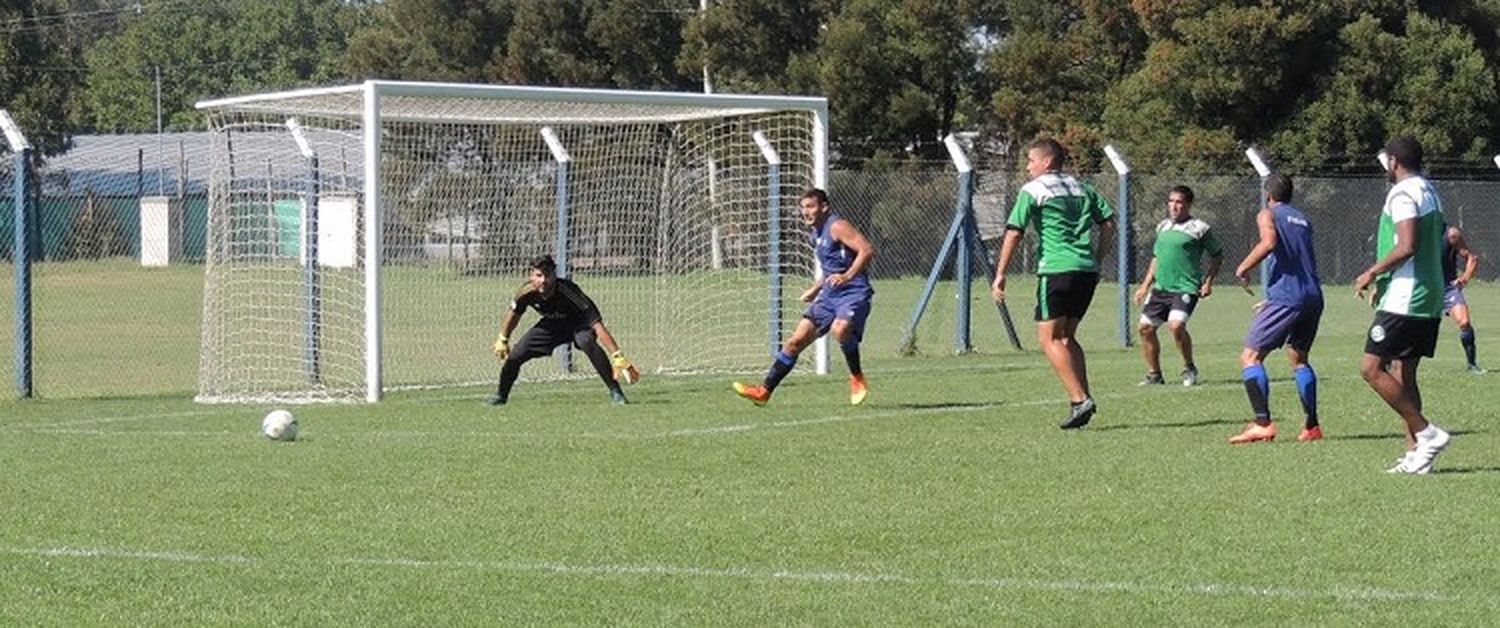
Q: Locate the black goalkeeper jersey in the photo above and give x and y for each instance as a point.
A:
(566, 304)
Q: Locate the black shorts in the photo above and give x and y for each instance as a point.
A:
(1159, 307)
(1398, 337)
(1064, 295)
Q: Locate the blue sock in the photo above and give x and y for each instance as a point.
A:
(851, 356)
(1258, 388)
(779, 369)
(1307, 389)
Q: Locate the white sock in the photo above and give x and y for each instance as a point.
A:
(1430, 432)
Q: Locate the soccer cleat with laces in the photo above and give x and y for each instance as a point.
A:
(1080, 414)
(1430, 442)
(1255, 433)
(857, 389)
(757, 394)
(1310, 434)
(1190, 376)
(1152, 379)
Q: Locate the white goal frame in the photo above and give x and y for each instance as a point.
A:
(373, 93)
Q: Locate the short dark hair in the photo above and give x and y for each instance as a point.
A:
(1185, 191)
(1051, 147)
(544, 263)
(1407, 150)
(1279, 187)
(816, 194)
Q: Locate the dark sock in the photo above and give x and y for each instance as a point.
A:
(1466, 336)
(1258, 388)
(779, 368)
(851, 356)
(508, 373)
(1307, 390)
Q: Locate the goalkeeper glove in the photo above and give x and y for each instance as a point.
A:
(625, 372)
(502, 346)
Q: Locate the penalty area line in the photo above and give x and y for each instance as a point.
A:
(1341, 592)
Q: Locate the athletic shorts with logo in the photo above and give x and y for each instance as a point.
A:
(1278, 325)
(832, 304)
(1165, 306)
(1452, 298)
(1064, 295)
(1398, 337)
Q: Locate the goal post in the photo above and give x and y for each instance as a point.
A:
(656, 202)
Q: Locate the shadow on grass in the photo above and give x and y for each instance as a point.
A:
(1168, 426)
(951, 405)
(1466, 470)
(1393, 435)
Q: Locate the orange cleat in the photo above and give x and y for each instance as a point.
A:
(1311, 434)
(757, 394)
(1255, 433)
(857, 390)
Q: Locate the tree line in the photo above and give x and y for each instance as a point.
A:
(1179, 85)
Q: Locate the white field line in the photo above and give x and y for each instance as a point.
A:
(721, 430)
(1341, 592)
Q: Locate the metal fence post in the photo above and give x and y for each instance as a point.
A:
(773, 218)
(560, 155)
(312, 306)
(21, 253)
(1123, 238)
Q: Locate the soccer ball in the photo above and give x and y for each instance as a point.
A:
(279, 425)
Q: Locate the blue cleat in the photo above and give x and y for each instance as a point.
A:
(617, 397)
(495, 400)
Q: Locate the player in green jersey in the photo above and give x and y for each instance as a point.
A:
(1408, 298)
(1063, 211)
(1175, 281)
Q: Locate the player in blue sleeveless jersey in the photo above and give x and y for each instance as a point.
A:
(1288, 316)
(1455, 306)
(838, 304)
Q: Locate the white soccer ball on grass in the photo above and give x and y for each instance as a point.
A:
(279, 425)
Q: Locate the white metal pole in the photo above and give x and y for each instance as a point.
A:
(820, 181)
(372, 244)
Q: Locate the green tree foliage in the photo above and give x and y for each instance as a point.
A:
(41, 49)
(1431, 81)
(209, 49)
(756, 45)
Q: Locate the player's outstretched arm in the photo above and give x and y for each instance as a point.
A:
(1002, 261)
(1145, 288)
(502, 341)
(1265, 223)
(1471, 259)
(625, 370)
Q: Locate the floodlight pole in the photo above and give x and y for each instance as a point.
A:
(312, 301)
(563, 159)
(21, 253)
(1123, 240)
(1257, 162)
(773, 222)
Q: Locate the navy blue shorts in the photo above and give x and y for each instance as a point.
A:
(1277, 325)
(843, 305)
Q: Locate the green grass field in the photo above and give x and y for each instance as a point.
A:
(949, 498)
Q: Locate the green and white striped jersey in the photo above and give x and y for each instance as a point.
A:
(1063, 212)
(1415, 288)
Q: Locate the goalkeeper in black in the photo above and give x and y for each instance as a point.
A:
(568, 315)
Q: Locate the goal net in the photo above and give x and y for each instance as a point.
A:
(375, 241)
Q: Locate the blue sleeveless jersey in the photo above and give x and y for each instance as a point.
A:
(1292, 268)
(836, 257)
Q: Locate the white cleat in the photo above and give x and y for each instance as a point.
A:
(1430, 442)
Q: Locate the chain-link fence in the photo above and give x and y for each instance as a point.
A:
(105, 324)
